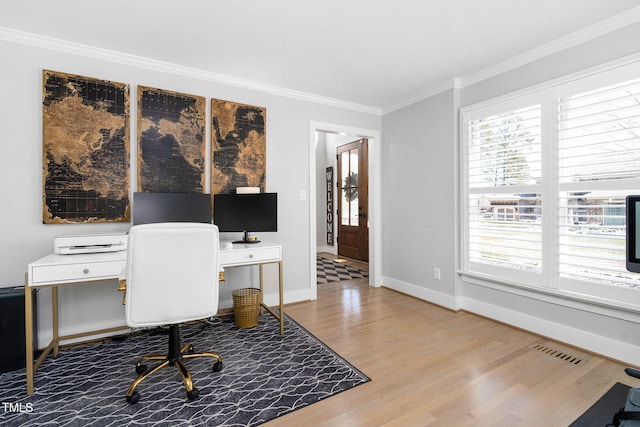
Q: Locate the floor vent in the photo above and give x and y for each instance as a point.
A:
(574, 360)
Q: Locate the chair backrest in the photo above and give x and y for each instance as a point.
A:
(172, 273)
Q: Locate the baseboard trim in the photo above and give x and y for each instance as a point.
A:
(272, 300)
(434, 297)
(598, 344)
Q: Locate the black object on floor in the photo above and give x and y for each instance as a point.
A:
(601, 413)
(12, 344)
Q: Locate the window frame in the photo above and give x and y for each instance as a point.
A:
(526, 278)
(549, 281)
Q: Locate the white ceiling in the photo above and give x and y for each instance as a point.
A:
(376, 53)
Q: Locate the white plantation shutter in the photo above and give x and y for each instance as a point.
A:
(504, 175)
(599, 165)
(546, 174)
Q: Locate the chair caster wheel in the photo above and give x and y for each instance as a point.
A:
(193, 394)
(133, 398)
(217, 367)
(140, 368)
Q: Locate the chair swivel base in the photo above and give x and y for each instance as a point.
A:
(175, 358)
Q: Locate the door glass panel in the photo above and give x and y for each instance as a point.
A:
(344, 220)
(349, 186)
(353, 167)
(344, 187)
(345, 169)
(353, 186)
(354, 211)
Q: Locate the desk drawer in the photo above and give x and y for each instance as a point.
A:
(249, 256)
(76, 272)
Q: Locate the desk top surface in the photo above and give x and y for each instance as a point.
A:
(226, 247)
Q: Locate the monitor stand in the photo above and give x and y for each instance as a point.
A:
(247, 239)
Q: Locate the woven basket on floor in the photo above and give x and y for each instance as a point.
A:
(246, 307)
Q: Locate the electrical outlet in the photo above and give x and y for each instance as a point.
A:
(436, 273)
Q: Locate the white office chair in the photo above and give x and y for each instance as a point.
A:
(171, 278)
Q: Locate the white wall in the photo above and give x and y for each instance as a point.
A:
(25, 238)
(419, 176)
(421, 216)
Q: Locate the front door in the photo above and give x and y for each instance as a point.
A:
(353, 200)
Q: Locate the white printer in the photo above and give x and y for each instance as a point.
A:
(89, 244)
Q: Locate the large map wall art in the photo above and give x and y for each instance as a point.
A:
(85, 149)
(171, 144)
(238, 146)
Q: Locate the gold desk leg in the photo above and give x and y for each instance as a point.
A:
(28, 336)
(54, 307)
(279, 316)
(261, 288)
(281, 289)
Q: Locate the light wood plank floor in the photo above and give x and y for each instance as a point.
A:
(433, 367)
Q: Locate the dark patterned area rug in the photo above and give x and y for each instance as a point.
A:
(264, 376)
(332, 271)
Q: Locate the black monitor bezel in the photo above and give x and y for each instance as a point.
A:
(228, 224)
(633, 228)
(153, 208)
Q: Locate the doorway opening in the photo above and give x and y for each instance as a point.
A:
(325, 236)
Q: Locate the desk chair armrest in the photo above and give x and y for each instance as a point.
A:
(633, 372)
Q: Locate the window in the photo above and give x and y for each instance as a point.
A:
(599, 165)
(546, 178)
(504, 176)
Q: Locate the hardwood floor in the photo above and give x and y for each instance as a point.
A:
(433, 367)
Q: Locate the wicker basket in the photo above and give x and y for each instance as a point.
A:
(246, 307)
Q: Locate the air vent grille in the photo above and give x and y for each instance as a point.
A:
(559, 354)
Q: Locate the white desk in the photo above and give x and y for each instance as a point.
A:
(56, 270)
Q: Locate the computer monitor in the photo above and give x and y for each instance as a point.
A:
(246, 213)
(171, 207)
(633, 233)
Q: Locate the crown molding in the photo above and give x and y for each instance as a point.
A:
(629, 17)
(39, 41)
(614, 23)
(601, 28)
(454, 83)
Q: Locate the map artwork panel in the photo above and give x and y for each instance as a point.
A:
(171, 145)
(85, 167)
(238, 146)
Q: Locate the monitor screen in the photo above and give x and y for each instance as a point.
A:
(171, 207)
(246, 213)
(633, 233)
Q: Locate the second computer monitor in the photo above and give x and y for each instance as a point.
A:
(246, 213)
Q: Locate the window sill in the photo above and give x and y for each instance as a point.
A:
(617, 309)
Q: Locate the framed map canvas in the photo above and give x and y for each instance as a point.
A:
(171, 144)
(238, 146)
(85, 125)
